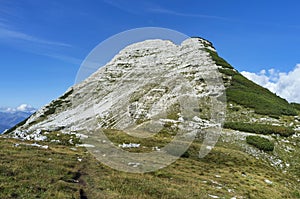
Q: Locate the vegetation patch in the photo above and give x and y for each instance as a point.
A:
(67, 94)
(70, 172)
(265, 129)
(172, 111)
(55, 105)
(63, 139)
(119, 137)
(260, 143)
(138, 94)
(227, 71)
(33, 172)
(296, 106)
(247, 93)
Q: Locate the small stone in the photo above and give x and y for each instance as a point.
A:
(268, 181)
(212, 196)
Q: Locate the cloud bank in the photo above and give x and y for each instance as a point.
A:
(22, 108)
(286, 85)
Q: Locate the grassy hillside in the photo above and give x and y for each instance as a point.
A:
(63, 171)
(296, 106)
(247, 93)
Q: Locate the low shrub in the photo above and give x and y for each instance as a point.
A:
(260, 143)
(235, 108)
(265, 129)
(227, 71)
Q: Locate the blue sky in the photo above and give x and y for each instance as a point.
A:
(42, 43)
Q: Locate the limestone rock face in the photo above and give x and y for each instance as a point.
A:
(146, 81)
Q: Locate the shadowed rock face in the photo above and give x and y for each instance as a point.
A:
(144, 80)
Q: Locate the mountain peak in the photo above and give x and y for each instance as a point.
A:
(144, 74)
(148, 67)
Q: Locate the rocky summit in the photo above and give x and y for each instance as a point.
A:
(145, 80)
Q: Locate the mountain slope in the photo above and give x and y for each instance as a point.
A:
(242, 91)
(235, 168)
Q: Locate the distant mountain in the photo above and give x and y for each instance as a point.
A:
(12, 116)
(3, 128)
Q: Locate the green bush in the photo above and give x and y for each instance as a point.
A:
(260, 143)
(265, 129)
(235, 108)
(227, 71)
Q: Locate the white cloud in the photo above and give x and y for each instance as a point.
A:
(22, 108)
(286, 85)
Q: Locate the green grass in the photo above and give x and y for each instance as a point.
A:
(64, 139)
(227, 71)
(247, 93)
(260, 143)
(31, 172)
(265, 129)
(296, 106)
